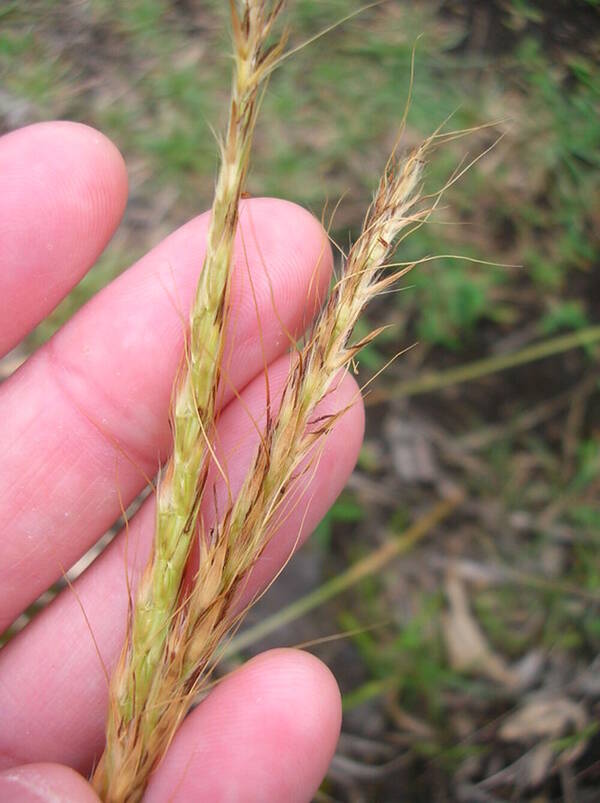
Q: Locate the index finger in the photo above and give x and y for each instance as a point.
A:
(63, 189)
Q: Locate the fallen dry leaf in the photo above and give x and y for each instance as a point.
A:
(467, 646)
(540, 723)
(548, 717)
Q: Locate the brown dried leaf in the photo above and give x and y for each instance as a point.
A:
(540, 722)
(550, 717)
(467, 646)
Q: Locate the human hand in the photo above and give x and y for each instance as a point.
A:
(84, 423)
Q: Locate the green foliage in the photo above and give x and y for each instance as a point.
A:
(566, 139)
(454, 300)
(411, 656)
(564, 315)
(328, 121)
(588, 465)
(14, 44)
(344, 511)
(575, 739)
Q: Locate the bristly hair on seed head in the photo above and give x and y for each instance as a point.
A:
(181, 613)
(146, 693)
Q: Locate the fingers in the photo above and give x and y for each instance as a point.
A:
(53, 691)
(86, 419)
(45, 783)
(63, 189)
(267, 732)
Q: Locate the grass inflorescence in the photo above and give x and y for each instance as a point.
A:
(175, 626)
(138, 726)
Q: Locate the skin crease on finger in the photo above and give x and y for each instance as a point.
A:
(85, 420)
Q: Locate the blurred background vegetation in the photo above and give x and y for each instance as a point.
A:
(469, 664)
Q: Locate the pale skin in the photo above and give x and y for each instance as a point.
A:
(84, 423)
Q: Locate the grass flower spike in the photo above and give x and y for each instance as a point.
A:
(292, 433)
(176, 626)
(131, 719)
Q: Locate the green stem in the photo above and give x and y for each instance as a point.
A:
(342, 582)
(490, 365)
